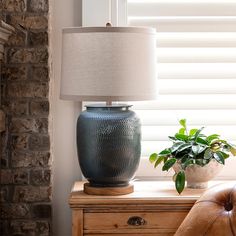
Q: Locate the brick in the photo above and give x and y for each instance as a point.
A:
(39, 142)
(30, 228)
(6, 176)
(36, 39)
(28, 22)
(38, 73)
(22, 125)
(42, 211)
(17, 39)
(14, 73)
(40, 177)
(15, 108)
(28, 90)
(43, 228)
(19, 142)
(20, 177)
(38, 5)
(23, 228)
(28, 55)
(34, 159)
(4, 194)
(39, 108)
(13, 211)
(31, 194)
(14, 5)
(9, 176)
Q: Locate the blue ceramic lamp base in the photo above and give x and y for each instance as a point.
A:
(108, 142)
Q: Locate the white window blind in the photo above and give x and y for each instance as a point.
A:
(196, 63)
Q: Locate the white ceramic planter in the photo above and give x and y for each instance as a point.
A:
(198, 176)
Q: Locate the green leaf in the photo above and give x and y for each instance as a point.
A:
(174, 176)
(184, 146)
(224, 155)
(172, 138)
(195, 149)
(169, 163)
(183, 123)
(192, 132)
(180, 182)
(181, 137)
(219, 157)
(233, 150)
(176, 146)
(201, 141)
(153, 157)
(158, 161)
(165, 152)
(188, 163)
(184, 158)
(197, 133)
(212, 137)
(208, 154)
(165, 159)
(201, 162)
(182, 131)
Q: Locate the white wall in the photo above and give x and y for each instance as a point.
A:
(64, 13)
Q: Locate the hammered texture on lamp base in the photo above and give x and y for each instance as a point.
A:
(108, 142)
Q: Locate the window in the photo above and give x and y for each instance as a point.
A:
(196, 48)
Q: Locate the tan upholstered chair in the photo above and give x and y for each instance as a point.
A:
(214, 214)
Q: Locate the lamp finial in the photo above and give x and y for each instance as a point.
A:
(108, 24)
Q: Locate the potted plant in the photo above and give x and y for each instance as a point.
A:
(194, 156)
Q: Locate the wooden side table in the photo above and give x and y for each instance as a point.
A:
(154, 208)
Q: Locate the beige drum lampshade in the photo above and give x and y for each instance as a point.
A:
(109, 64)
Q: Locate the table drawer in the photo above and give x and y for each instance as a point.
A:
(133, 222)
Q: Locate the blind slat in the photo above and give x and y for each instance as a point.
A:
(188, 102)
(181, 8)
(194, 117)
(194, 86)
(186, 24)
(196, 70)
(196, 55)
(196, 39)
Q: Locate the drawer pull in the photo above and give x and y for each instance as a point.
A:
(136, 221)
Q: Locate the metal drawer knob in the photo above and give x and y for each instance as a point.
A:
(136, 221)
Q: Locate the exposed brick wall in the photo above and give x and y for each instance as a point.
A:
(25, 156)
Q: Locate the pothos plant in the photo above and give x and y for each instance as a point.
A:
(191, 147)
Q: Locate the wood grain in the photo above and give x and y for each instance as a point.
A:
(77, 223)
(116, 222)
(108, 191)
(132, 234)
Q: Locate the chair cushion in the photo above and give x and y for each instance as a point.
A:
(213, 214)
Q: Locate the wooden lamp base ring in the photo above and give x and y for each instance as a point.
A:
(110, 191)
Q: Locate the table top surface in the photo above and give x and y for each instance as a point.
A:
(144, 192)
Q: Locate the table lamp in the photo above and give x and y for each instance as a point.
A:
(108, 64)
